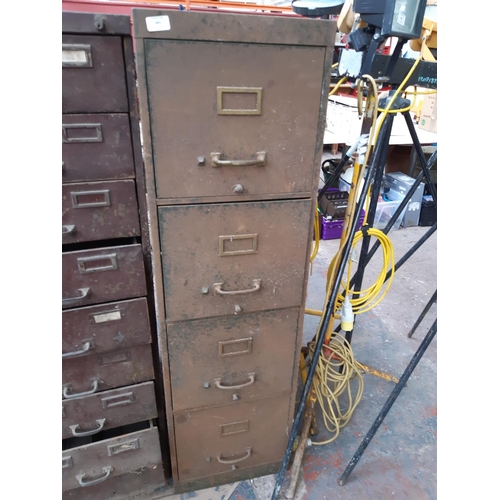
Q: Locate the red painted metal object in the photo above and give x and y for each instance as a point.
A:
(125, 7)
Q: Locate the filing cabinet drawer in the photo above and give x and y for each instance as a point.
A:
(150, 483)
(99, 210)
(239, 435)
(107, 274)
(222, 259)
(89, 415)
(92, 464)
(87, 375)
(93, 74)
(254, 102)
(96, 147)
(106, 327)
(216, 361)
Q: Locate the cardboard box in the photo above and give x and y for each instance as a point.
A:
(402, 183)
(428, 114)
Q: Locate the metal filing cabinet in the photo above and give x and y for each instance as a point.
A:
(232, 114)
(110, 416)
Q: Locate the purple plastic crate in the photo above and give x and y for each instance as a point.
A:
(332, 230)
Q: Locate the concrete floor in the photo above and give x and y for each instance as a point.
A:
(400, 461)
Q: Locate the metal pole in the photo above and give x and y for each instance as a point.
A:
(420, 154)
(366, 256)
(379, 162)
(423, 313)
(388, 404)
(321, 337)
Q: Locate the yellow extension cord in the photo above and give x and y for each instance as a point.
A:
(337, 369)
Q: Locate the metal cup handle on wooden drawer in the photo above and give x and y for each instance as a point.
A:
(87, 345)
(251, 377)
(107, 472)
(77, 433)
(255, 288)
(259, 161)
(83, 294)
(236, 460)
(68, 395)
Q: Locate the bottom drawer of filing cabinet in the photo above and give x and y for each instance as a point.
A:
(90, 465)
(106, 327)
(89, 415)
(89, 374)
(231, 437)
(145, 485)
(216, 361)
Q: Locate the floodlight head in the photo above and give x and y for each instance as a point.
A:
(317, 8)
(398, 18)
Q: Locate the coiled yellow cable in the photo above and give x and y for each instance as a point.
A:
(335, 372)
(373, 295)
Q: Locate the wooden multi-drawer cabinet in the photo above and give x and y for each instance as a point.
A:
(110, 415)
(232, 114)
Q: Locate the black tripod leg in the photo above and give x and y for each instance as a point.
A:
(388, 404)
(423, 313)
(379, 161)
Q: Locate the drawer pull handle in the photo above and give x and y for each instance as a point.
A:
(86, 347)
(95, 127)
(70, 228)
(84, 293)
(107, 472)
(255, 288)
(251, 377)
(68, 395)
(235, 460)
(100, 425)
(260, 161)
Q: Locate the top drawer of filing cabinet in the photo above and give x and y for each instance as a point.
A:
(241, 119)
(93, 75)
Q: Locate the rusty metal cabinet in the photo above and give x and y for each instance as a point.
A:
(112, 417)
(232, 113)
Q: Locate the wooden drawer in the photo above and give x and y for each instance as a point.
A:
(248, 116)
(95, 463)
(150, 483)
(217, 361)
(93, 74)
(104, 328)
(107, 274)
(98, 372)
(99, 210)
(231, 437)
(89, 415)
(223, 259)
(96, 147)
